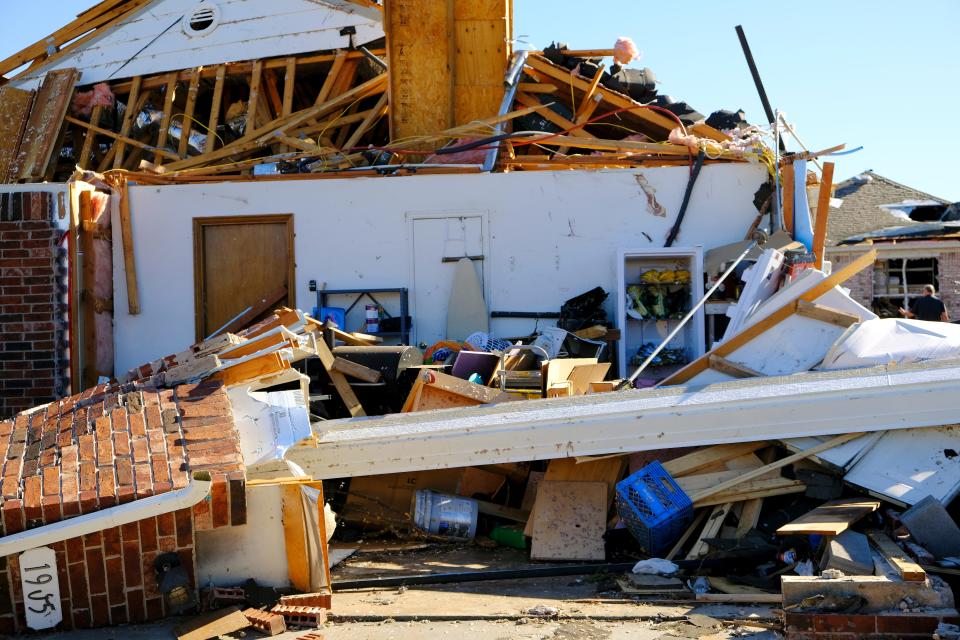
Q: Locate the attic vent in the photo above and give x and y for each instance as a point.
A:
(203, 19)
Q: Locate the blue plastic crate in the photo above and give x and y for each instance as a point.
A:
(654, 508)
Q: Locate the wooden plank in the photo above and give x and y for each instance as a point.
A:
(355, 370)
(289, 84)
(129, 115)
(373, 115)
(257, 310)
(15, 107)
(331, 80)
(709, 456)
(729, 346)
(126, 236)
(678, 545)
(779, 464)
(273, 94)
(749, 516)
(186, 123)
(734, 369)
(500, 511)
(339, 381)
(710, 530)
(215, 106)
(564, 78)
(294, 537)
(554, 117)
(110, 134)
(898, 559)
(826, 314)
(212, 624)
(254, 99)
(571, 521)
(754, 489)
(831, 518)
(787, 191)
(168, 96)
(823, 213)
(95, 114)
(42, 131)
(537, 87)
(481, 52)
(257, 344)
(741, 598)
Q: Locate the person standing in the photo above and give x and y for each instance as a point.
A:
(927, 307)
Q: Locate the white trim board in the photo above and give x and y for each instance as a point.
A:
(807, 404)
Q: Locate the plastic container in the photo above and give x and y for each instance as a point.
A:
(443, 515)
(509, 536)
(654, 508)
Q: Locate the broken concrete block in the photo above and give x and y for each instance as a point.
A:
(878, 593)
(931, 526)
(266, 621)
(849, 552)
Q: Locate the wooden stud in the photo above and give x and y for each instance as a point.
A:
(356, 370)
(373, 115)
(553, 116)
(346, 78)
(168, 96)
(708, 457)
(754, 489)
(900, 561)
(130, 141)
(826, 314)
(126, 236)
(269, 364)
(89, 138)
(710, 530)
(823, 213)
(289, 83)
(186, 124)
(331, 78)
(787, 193)
(274, 100)
(254, 101)
(749, 516)
(537, 87)
(678, 545)
(129, 115)
(215, 109)
(734, 369)
(343, 387)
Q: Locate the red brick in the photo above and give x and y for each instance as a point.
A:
(88, 476)
(111, 542)
(104, 451)
(87, 447)
(202, 518)
(167, 543)
(126, 494)
(150, 589)
(81, 618)
(238, 499)
(121, 443)
(51, 481)
(115, 586)
(88, 501)
(108, 487)
(75, 551)
(137, 425)
(899, 624)
(136, 607)
(96, 574)
(118, 614)
(10, 487)
(31, 497)
(166, 526)
(50, 505)
(148, 535)
(131, 563)
(184, 520)
(155, 609)
(216, 408)
(141, 451)
(220, 504)
(13, 518)
(93, 540)
(124, 472)
(78, 585)
(69, 457)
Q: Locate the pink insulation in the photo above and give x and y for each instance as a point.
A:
(471, 156)
(625, 50)
(84, 101)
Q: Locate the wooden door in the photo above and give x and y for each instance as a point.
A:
(241, 262)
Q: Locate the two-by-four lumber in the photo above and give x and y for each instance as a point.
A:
(255, 76)
(831, 518)
(119, 138)
(826, 314)
(731, 368)
(95, 114)
(126, 236)
(355, 370)
(133, 107)
(708, 457)
(169, 93)
(710, 530)
(787, 190)
(823, 212)
(215, 109)
(339, 381)
(186, 123)
(900, 561)
(212, 624)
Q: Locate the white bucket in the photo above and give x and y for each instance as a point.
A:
(444, 515)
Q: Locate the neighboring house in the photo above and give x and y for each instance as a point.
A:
(915, 247)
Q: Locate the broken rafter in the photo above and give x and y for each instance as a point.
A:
(130, 141)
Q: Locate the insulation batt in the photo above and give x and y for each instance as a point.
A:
(625, 50)
(84, 101)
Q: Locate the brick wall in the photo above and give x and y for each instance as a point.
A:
(948, 262)
(832, 626)
(33, 359)
(107, 447)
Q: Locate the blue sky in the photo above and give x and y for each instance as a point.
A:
(882, 74)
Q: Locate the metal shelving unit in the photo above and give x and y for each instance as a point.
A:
(403, 292)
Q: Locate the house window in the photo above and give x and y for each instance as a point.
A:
(896, 282)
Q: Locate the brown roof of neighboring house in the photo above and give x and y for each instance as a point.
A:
(860, 212)
(110, 445)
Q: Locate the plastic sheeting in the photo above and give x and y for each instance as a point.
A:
(269, 423)
(892, 341)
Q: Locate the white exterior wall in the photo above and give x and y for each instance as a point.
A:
(548, 236)
(152, 40)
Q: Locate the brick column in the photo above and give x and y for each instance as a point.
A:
(33, 349)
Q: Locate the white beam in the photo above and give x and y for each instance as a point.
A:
(805, 404)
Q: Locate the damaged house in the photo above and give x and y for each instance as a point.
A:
(241, 240)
